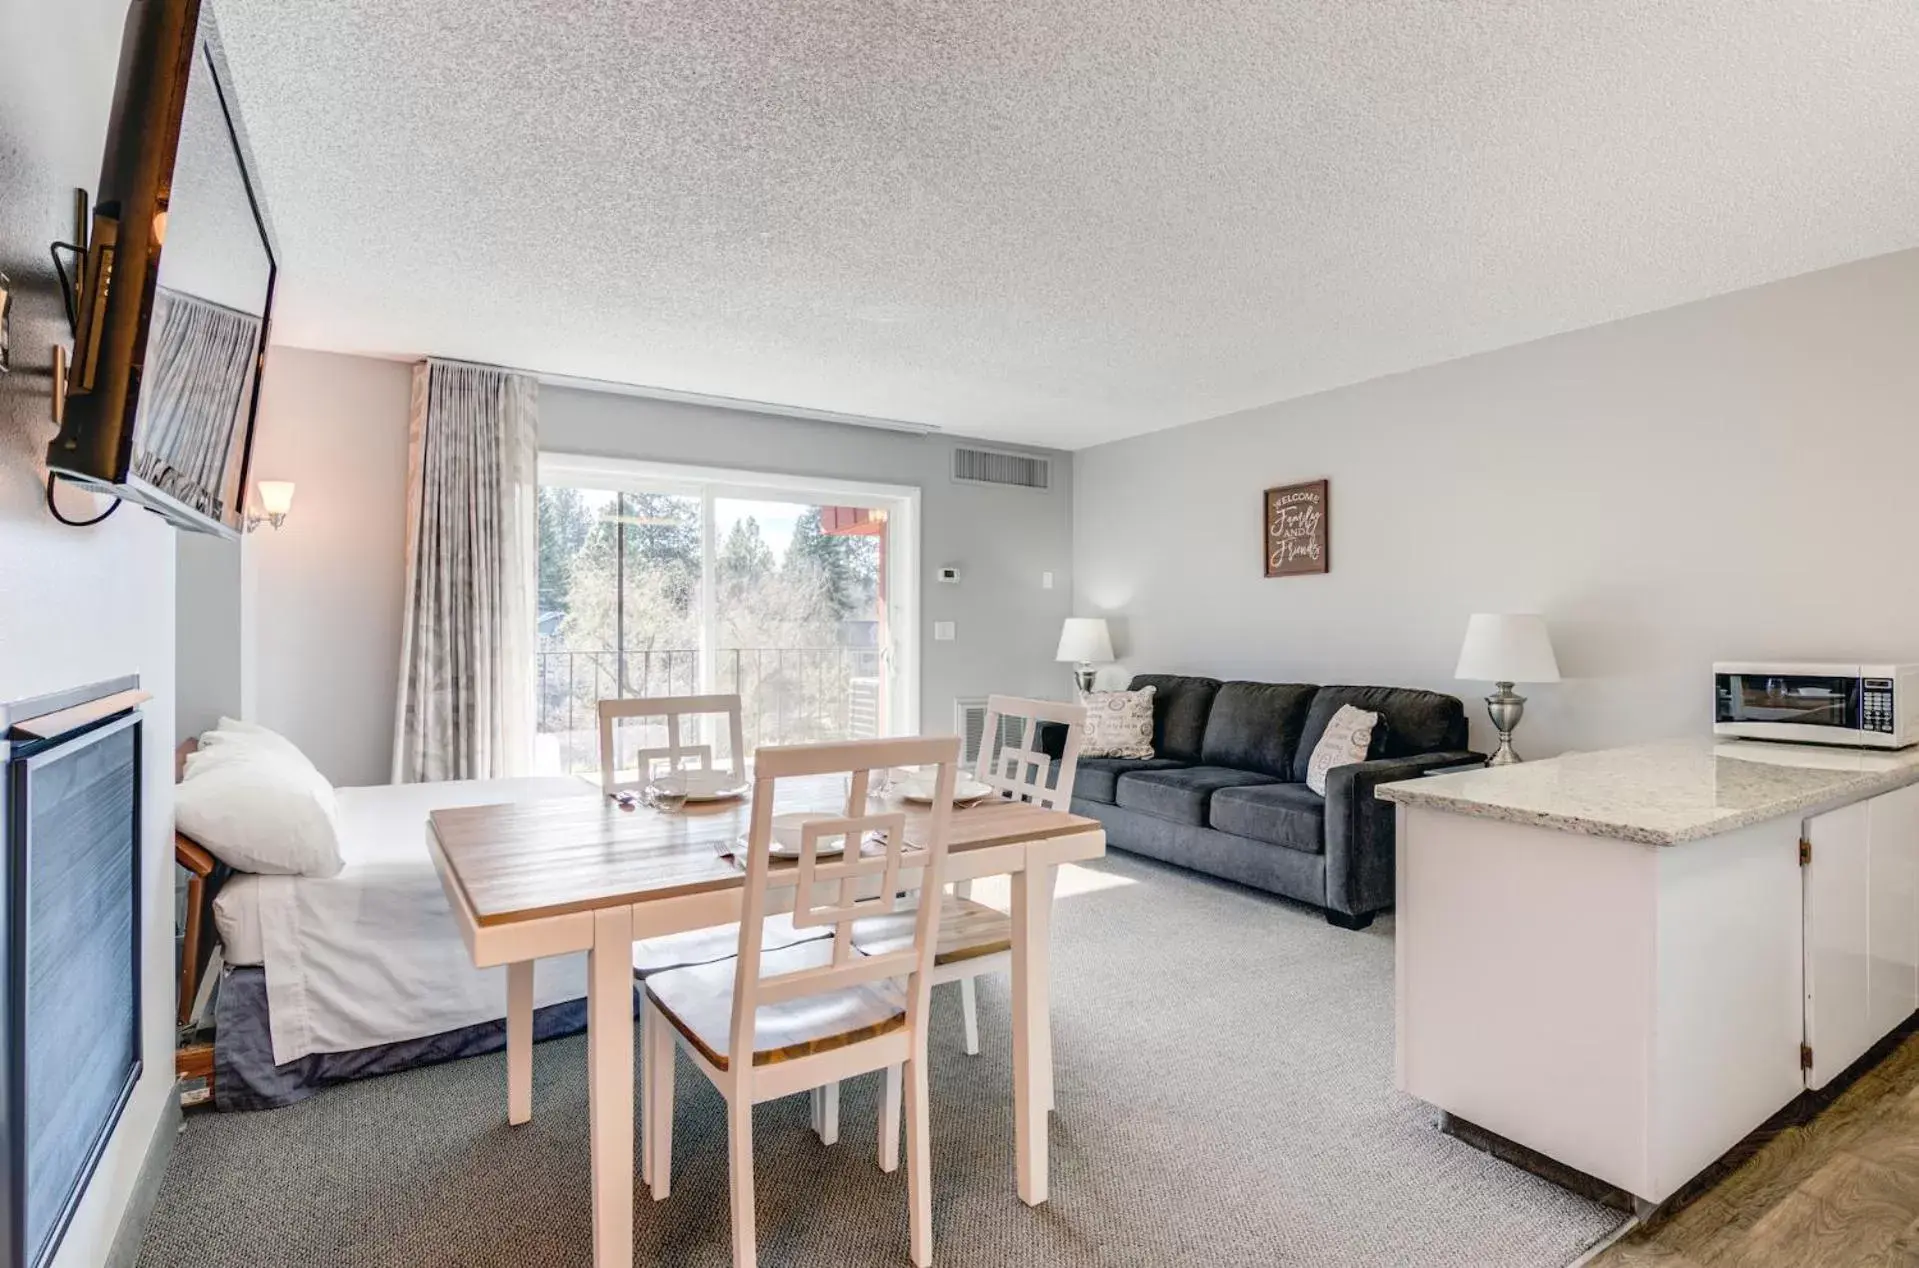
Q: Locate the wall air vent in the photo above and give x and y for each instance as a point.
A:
(989, 466)
(969, 722)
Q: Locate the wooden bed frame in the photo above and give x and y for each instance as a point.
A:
(205, 875)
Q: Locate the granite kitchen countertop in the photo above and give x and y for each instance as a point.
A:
(1663, 793)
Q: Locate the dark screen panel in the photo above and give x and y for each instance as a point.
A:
(78, 985)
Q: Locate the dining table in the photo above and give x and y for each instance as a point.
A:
(591, 873)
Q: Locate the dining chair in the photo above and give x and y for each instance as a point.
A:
(976, 939)
(700, 946)
(772, 1023)
(674, 709)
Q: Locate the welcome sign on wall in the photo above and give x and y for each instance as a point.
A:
(1297, 530)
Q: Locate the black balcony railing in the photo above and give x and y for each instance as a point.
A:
(788, 695)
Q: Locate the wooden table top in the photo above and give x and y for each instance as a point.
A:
(536, 859)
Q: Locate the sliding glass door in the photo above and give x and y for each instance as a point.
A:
(660, 581)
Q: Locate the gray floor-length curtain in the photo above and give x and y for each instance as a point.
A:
(466, 655)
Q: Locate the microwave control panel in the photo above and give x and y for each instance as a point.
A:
(1875, 705)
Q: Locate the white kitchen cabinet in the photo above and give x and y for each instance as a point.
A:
(1862, 928)
(1894, 910)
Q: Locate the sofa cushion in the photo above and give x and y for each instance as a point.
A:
(1180, 708)
(1289, 814)
(1181, 795)
(1346, 741)
(1098, 776)
(1256, 726)
(1119, 723)
(1411, 721)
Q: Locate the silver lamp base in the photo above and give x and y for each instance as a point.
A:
(1505, 707)
(1083, 674)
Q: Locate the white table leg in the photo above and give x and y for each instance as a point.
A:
(519, 1042)
(609, 1036)
(890, 1120)
(1032, 1027)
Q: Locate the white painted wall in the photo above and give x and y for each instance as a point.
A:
(327, 605)
(1729, 479)
(326, 602)
(80, 605)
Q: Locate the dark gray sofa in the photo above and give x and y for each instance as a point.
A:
(1225, 791)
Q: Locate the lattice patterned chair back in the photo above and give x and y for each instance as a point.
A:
(676, 751)
(826, 890)
(1013, 763)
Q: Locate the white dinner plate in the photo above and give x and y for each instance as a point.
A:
(786, 836)
(705, 785)
(919, 789)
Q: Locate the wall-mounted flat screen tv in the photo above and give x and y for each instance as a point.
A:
(172, 305)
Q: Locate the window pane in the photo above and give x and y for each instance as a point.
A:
(618, 614)
(800, 604)
(797, 621)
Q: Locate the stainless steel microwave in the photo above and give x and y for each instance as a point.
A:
(1865, 706)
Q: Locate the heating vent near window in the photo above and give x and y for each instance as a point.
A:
(988, 466)
(969, 721)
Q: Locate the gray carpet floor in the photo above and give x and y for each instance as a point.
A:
(1225, 1096)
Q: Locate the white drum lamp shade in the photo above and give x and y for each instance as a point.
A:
(1507, 647)
(1085, 640)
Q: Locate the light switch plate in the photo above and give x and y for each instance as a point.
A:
(1046, 581)
(942, 631)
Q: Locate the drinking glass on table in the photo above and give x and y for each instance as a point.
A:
(667, 794)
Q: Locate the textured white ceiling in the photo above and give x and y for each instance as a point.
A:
(1054, 222)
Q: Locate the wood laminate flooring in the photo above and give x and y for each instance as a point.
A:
(1838, 1191)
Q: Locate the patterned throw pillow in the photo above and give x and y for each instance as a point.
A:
(1348, 737)
(1118, 723)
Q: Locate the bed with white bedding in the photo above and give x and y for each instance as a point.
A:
(364, 972)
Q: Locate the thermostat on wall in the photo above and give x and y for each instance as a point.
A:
(949, 575)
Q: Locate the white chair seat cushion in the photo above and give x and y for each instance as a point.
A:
(968, 931)
(721, 942)
(698, 1001)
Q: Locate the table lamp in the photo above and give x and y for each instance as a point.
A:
(1085, 641)
(1505, 648)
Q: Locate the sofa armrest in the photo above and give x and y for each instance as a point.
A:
(1359, 828)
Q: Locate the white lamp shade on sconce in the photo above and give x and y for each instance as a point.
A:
(1507, 647)
(275, 497)
(1085, 639)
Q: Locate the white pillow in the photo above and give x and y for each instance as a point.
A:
(1346, 740)
(1118, 723)
(233, 734)
(261, 812)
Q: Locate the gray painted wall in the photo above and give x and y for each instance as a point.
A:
(327, 604)
(209, 652)
(78, 605)
(1729, 479)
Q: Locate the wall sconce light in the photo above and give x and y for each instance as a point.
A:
(274, 498)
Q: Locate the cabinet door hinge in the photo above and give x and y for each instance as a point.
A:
(1805, 1056)
(1805, 851)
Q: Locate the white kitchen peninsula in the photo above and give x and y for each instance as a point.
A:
(1618, 959)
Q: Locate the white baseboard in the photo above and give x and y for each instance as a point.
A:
(125, 1251)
